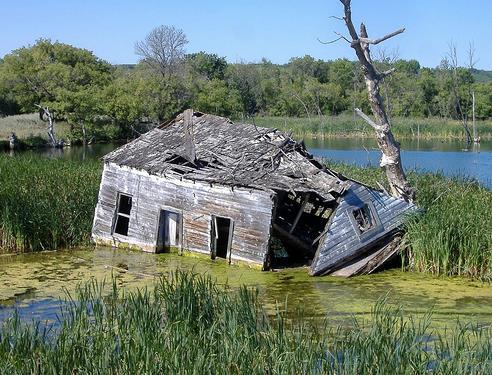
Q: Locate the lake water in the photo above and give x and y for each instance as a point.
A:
(34, 283)
(451, 158)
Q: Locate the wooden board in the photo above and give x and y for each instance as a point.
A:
(250, 210)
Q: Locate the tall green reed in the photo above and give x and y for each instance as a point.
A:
(186, 324)
(346, 125)
(46, 203)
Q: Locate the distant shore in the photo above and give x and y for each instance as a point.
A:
(348, 126)
(31, 131)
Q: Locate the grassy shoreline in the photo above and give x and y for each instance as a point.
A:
(31, 131)
(347, 126)
(49, 204)
(188, 324)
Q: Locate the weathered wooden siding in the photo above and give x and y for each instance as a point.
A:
(342, 241)
(250, 210)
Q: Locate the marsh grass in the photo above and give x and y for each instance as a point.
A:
(345, 125)
(187, 324)
(46, 203)
(454, 234)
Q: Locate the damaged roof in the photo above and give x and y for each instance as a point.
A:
(203, 147)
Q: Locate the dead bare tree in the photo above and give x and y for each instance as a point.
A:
(46, 115)
(472, 61)
(390, 148)
(453, 61)
(162, 49)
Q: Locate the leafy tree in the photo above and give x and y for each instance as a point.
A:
(217, 98)
(207, 65)
(245, 79)
(49, 73)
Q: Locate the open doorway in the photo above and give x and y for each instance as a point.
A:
(169, 234)
(221, 237)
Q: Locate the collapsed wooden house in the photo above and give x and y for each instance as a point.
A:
(203, 184)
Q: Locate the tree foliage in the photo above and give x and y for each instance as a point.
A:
(111, 101)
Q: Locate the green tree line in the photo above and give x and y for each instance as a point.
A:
(114, 101)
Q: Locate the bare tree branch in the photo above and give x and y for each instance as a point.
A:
(162, 49)
(337, 18)
(386, 73)
(340, 36)
(386, 37)
(471, 56)
(331, 41)
(366, 118)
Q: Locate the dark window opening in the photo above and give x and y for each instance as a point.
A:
(221, 237)
(303, 216)
(364, 219)
(125, 204)
(180, 162)
(169, 234)
(123, 214)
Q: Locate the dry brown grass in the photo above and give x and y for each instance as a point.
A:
(28, 126)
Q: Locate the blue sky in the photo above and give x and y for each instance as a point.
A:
(249, 30)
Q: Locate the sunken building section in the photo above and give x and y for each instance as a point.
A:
(202, 184)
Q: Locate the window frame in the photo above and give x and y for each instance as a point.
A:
(118, 214)
(376, 221)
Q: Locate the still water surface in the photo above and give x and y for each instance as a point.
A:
(33, 283)
(450, 158)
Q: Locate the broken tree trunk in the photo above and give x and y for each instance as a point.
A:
(390, 148)
(45, 115)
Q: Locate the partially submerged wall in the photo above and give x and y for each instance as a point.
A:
(249, 209)
(345, 240)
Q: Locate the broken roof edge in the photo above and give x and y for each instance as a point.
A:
(176, 177)
(178, 116)
(171, 175)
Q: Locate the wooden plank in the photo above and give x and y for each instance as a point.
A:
(251, 211)
(371, 262)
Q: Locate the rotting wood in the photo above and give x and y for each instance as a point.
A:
(299, 214)
(370, 263)
(204, 166)
(189, 135)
